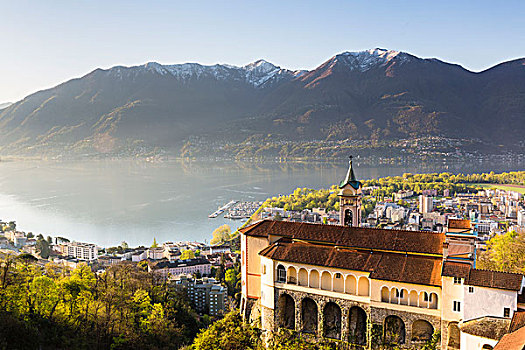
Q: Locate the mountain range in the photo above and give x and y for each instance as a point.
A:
(373, 95)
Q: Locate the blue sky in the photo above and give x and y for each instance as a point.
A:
(46, 42)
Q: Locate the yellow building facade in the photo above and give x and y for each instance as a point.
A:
(368, 286)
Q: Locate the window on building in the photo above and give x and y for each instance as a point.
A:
(457, 280)
(425, 296)
(338, 275)
(399, 293)
(457, 306)
(506, 312)
(471, 289)
(264, 269)
(281, 274)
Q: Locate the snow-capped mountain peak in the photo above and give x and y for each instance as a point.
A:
(365, 60)
(257, 73)
(260, 72)
(261, 66)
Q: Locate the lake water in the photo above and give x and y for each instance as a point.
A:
(106, 202)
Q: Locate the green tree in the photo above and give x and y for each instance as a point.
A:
(504, 253)
(187, 254)
(221, 235)
(154, 245)
(228, 334)
(42, 247)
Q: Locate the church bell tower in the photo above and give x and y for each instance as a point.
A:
(350, 194)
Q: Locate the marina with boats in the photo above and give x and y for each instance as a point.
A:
(222, 209)
(236, 210)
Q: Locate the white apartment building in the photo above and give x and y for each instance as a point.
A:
(78, 250)
(426, 204)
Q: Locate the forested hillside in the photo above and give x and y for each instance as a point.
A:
(378, 101)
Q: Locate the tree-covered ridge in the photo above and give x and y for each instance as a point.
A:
(445, 180)
(123, 308)
(306, 198)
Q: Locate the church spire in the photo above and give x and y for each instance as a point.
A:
(350, 194)
(350, 177)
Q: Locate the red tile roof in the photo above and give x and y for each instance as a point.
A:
(495, 279)
(482, 278)
(395, 255)
(486, 327)
(456, 269)
(357, 237)
(381, 265)
(518, 321)
(459, 224)
(512, 341)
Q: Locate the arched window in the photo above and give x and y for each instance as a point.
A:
(292, 275)
(326, 281)
(363, 287)
(454, 336)
(286, 311)
(487, 347)
(422, 331)
(394, 295)
(351, 285)
(314, 279)
(433, 301)
(338, 282)
(412, 298)
(394, 330)
(303, 277)
(332, 321)
(423, 299)
(403, 297)
(385, 295)
(349, 217)
(281, 274)
(309, 316)
(357, 326)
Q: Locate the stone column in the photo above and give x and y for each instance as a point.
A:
(320, 318)
(298, 323)
(345, 314)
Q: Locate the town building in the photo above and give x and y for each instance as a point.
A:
(109, 260)
(207, 295)
(20, 240)
(402, 194)
(174, 268)
(352, 284)
(426, 204)
(155, 253)
(218, 249)
(81, 251)
(4, 242)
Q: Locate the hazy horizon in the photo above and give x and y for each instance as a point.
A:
(50, 44)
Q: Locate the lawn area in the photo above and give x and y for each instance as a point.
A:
(517, 188)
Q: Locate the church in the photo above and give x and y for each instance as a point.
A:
(368, 286)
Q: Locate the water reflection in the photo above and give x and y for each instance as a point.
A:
(110, 201)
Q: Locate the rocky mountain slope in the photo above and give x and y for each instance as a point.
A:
(370, 95)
